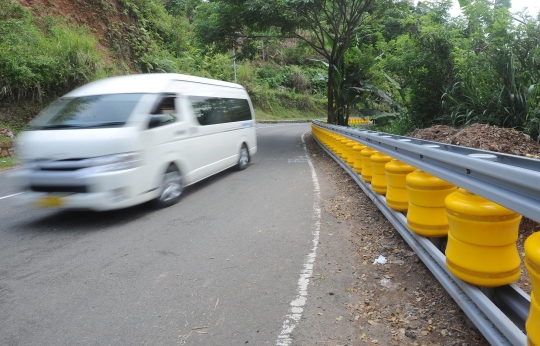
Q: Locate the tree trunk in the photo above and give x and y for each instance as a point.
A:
(330, 97)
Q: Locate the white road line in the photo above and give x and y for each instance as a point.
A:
(15, 194)
(297, 305)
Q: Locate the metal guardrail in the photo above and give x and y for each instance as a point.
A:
(511, 181)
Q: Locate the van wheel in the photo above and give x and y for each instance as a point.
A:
(171, 188)
(243, 159)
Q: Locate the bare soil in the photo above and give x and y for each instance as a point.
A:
(355, 302)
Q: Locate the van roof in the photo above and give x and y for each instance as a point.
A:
(142, 83)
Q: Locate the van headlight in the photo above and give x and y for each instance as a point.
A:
(111, 163)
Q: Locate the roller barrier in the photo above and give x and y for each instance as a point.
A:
(359, 121)
(367, 168)
(464, 202)
(427, 211)
(397, 196)
(378, 176)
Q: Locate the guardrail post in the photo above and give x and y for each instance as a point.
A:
(378, 179)
(426, 214)
(481, 247)
(367, 170)
(397, 196)
(532, 262)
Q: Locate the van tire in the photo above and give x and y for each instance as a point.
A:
(243, 158)
(171, 188)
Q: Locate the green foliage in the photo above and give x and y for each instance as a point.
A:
(38, 63)
(481, 67)
(421, 60)
(495, 68)
(157, 39)
(400, 125)
(183, 8)
(274, 88)
(328, 27)
(405, 66)
(45, 57)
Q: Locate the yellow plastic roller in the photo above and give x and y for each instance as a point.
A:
(426, 213)
(350, 153)
(357, 152)
(397, 196)
(378, 177)
(532, 262)
(532, 325)
(337, 145)
(481, 246)
(343, 151)
(366, 164)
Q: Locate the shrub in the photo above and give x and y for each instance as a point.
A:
(40, 64)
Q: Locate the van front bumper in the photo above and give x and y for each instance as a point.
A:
(80, 189)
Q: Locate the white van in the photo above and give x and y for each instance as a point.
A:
(126, 140)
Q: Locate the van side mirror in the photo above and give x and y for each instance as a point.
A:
(155, 121)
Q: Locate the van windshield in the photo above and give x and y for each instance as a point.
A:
(87, 112)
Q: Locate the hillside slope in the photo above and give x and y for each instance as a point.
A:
(52, 47)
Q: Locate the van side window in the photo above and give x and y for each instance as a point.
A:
(217, 110)
(164, 112)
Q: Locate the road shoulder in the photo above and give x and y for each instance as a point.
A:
(350, 300)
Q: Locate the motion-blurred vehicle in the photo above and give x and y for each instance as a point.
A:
(126, 140)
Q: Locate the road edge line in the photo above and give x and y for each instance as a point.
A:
(297, 305)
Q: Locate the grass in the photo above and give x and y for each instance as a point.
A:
(279, 113)
(288, 106)
(7, 162)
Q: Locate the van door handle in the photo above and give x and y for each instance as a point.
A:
(178, 133)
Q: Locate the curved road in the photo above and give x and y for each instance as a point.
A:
(220, 268)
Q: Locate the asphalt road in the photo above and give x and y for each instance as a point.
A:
(220, 268)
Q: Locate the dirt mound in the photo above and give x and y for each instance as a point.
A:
(480, 136)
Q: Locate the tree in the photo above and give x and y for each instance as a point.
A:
(327, 26)
(184, 8)
(421, 60)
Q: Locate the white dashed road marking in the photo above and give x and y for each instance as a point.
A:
(15, 194)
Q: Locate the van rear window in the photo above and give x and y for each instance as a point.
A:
(87, 112)
(216, 110)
